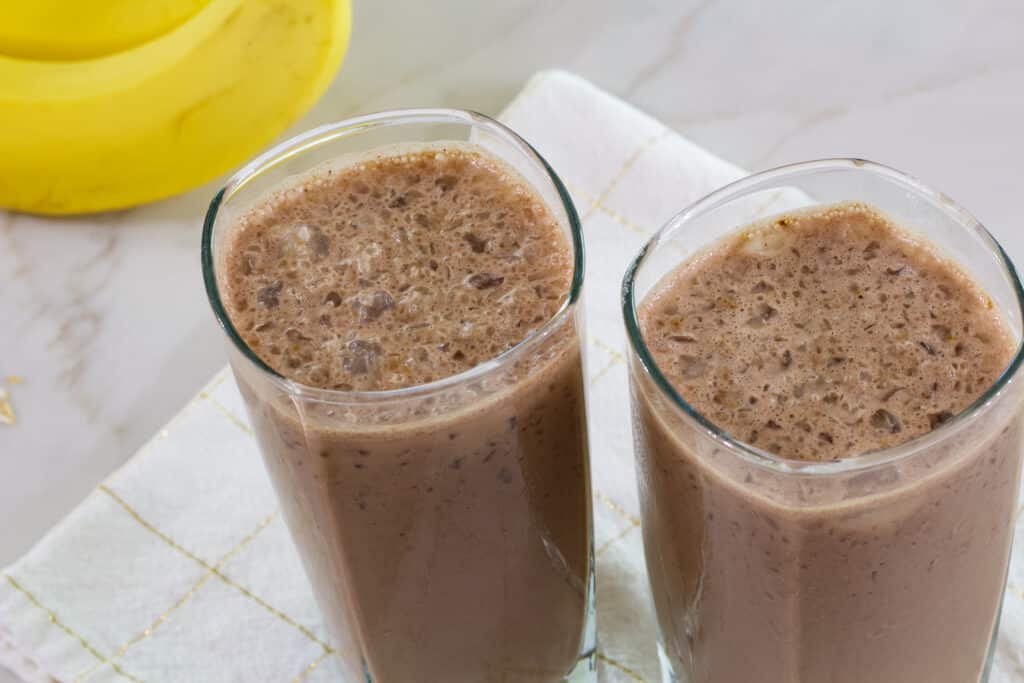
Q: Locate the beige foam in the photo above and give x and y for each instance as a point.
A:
(395, 268)
(825, 333)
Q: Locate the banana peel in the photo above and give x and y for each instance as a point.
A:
(83, 29)
(168, 114)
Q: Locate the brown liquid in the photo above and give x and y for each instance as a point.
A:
(447, 538)
(823, 335)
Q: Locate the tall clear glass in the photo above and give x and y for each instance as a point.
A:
(445, 527)
(886, 567)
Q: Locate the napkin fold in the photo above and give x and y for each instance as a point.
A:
(179, 568)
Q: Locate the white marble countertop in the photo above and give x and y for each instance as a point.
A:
(933, 87)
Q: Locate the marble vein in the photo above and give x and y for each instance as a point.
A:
(677, 45)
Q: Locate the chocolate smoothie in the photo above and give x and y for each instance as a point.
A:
(446, 533)
(819, 336)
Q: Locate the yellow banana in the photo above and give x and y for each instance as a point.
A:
(164, 114)
(83, 29)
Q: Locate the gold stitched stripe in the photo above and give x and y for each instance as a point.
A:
(626, 165)
(149, 527)
(159, 621)
(616, 358)
(604, 498)
(214, 570)
(598, 202)
(55, 620)
(312, 665)
(614, 215)
(625, 222)
(602, 372)
(273, 610)
(611, 541)
(621, 667)
(226, 413)
(584, 195)
(609, 349)
(217, 381)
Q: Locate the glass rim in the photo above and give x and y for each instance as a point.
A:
(861, 461)
(330, 132)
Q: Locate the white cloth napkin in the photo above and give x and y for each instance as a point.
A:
(178, 567)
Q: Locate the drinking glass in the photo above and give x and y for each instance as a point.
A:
(888, 566)
(445, 527)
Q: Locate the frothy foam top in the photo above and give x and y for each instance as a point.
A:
(825, 333)
(395, 270)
